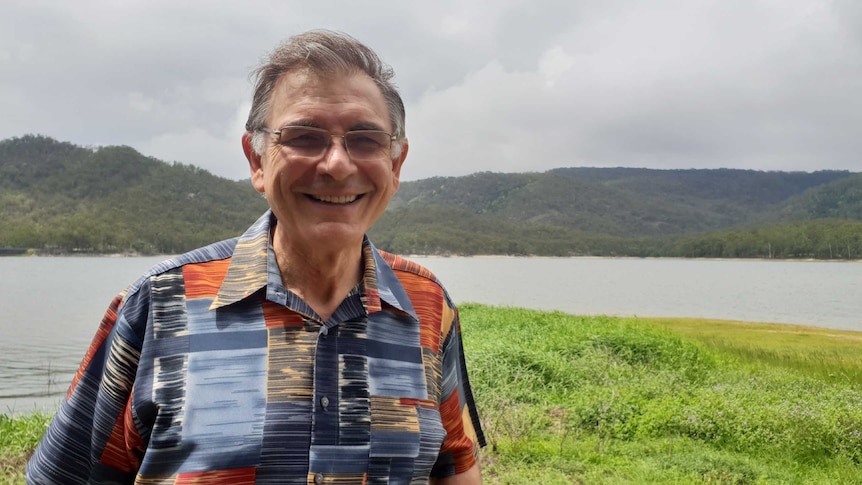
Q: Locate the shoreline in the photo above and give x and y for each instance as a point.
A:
(33, 253)
(658, 258)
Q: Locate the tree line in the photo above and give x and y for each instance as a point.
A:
(56, 197)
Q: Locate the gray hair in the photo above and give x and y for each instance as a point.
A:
(323, 52)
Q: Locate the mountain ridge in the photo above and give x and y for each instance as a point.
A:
(60, 197)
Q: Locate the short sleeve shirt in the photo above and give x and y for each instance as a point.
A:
(207, 370)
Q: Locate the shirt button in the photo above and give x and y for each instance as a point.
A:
(318, 478)
(324, 332)
(324, 401)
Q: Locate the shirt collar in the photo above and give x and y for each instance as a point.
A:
(248, 266)
(381, 284)
(253, 266)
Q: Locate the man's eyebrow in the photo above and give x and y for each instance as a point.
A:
(361, 125)
(366, 125)
(305, 123)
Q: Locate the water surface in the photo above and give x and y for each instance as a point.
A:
(50, 307)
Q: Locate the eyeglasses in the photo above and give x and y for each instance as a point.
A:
(309, 142)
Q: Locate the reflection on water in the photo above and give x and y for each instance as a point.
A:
(50, 307)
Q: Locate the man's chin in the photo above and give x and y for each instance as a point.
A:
(334, 234)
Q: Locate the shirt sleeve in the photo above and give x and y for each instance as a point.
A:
(464, 435)
(93, 437)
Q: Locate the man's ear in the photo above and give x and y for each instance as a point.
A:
(398, 162)
(255, 162)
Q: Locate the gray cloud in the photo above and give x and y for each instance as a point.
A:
(490, 86)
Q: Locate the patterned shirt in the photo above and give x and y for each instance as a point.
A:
(207, 370)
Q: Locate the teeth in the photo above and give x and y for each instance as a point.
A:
(336, 199)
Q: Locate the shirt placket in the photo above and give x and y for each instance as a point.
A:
(341, 429)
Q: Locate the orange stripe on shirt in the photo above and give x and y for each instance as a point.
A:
(204, 280)
(408, 401)
(117, 453)
(235, 476)
(458, 440)
(428, 301)
(105, 327)
(278, 316)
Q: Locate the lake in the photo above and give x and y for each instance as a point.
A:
(51, 307)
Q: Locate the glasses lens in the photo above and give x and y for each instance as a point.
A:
(307, 142)
(367, 144)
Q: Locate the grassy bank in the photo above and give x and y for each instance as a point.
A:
(600, 400)
(18, 437)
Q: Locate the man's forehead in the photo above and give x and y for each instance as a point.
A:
(307, 77)
(302, 85)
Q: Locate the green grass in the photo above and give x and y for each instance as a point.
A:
(18, 438)
(599, 400)
(829, 354)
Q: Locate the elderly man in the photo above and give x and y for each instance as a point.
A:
(296, 353)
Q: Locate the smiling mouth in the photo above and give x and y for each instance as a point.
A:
(335, 199)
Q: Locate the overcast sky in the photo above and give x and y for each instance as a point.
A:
(491, 85)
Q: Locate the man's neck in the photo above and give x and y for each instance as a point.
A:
(322, 278)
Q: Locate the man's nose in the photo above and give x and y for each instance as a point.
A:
(336, 162)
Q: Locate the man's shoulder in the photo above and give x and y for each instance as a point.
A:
(400, 264)
(213, 252)
(414, 277)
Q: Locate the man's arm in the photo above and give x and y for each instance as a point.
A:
(458, 410)
(91, 438)
(470, 477)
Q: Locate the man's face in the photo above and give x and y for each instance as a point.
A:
(331, 201)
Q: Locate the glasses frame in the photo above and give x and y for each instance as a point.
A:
(278, 132)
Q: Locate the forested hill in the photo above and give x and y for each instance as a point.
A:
(630, 211)
(56, 196)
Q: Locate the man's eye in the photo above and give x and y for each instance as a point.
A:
(304, 140)
(365, 141)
